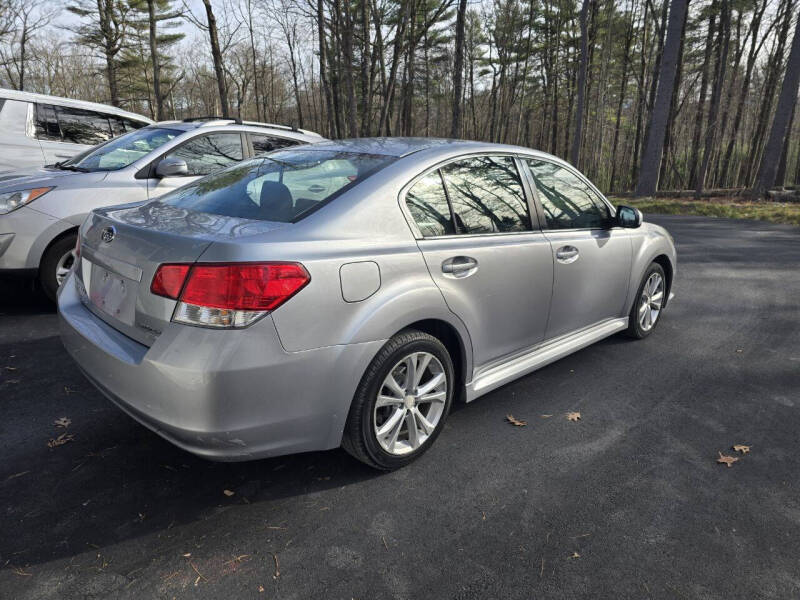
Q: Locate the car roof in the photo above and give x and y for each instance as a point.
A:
(58, 101)
(404, 146)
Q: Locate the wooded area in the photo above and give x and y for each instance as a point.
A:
(640, 95)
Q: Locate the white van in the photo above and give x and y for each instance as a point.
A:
(38, 130)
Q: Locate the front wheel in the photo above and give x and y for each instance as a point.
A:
(401, 403)
(56, 263)
(649, 302)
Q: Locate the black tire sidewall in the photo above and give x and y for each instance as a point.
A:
(369, 391)
(47, 268)
(635, 328)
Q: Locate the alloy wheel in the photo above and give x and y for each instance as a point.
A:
(410, 403)
(651, 301)
(63, 266)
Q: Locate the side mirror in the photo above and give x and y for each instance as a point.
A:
(172, 167)
(629, 217)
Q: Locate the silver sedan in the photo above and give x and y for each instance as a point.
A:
(347, 293)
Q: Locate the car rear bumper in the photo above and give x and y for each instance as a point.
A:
(221, 394)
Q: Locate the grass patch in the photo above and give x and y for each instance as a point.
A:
(774, 212)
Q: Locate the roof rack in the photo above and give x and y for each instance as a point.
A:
(293, 128)
(212, 118)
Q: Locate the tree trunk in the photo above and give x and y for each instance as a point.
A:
(673, 106)
(323, 68)
(216, 55)
(651, 157)
(575, 149)
(151, 13)
(780, 178)
(623, 85)
(768, 169)
(737, 119)
(768, 93)
(701, 103)
(458, 68)
(721, 63)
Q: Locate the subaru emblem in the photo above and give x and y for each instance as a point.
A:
(107, 235)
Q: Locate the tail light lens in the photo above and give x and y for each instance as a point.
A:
(228, 295)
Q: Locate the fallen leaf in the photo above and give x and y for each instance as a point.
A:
(62, 422)
(261, 589)
(573, 416)
(277, 566)
(545, 416)
(739, 350)
(726, 460)
(60, 440)
(574, 555)
(741, 448)
(228, 493)
(514, 421)
(187, 555)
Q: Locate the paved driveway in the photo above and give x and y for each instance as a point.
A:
(629, 502)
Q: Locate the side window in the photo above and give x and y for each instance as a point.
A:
(208, 153)
(47, 123)
(427, 203)
(83, 126)
(486, 194)
(267, 143)
(567, 201)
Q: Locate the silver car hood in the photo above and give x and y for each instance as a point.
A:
(44, 177)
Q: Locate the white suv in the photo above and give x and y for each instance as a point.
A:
(36, 130)
(41, 209)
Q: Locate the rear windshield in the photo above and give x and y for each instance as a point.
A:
(283, 186)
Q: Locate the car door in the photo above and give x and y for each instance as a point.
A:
(485, 252)
(203, 154)
(591, 258)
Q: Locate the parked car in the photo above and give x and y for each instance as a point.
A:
(345, 293)
(36, 130)
(41, 209)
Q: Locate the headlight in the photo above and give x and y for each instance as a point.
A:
(13, 200)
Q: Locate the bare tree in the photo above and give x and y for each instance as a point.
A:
(651, 157)
(23, 19)
(768, 168)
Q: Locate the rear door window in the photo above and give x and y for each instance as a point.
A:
(427, 203)
(208, 153)
(486, 195)
(267, 143)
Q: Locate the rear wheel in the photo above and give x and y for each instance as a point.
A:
(401, 403)
(56, 263)
(649, 303)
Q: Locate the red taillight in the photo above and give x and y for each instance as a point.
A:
(262, 286)
(236, 286)
(168, 280)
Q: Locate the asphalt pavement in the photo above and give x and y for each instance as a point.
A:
(627, 502)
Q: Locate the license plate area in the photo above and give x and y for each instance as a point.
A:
(112, 293)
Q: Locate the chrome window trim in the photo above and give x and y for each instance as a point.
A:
(536, 225)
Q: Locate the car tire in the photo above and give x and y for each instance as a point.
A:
(377, 407)
(56, 258)
(648, 303)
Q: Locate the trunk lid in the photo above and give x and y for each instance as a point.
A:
(121, 248)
